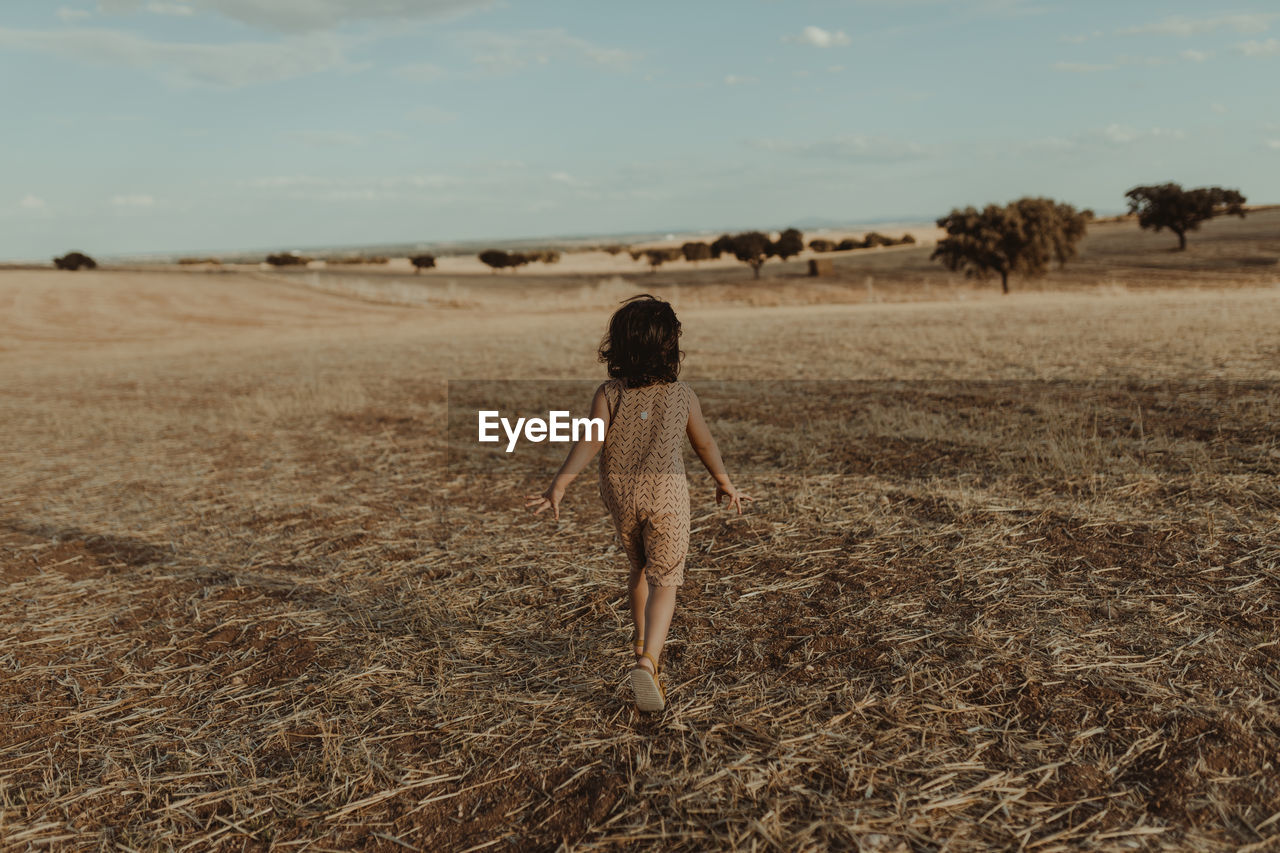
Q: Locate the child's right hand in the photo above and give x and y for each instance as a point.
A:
(728, 490)
(550, 499)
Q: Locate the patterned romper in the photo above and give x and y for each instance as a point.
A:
(642, 479)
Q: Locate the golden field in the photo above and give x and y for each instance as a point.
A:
(1012, 580)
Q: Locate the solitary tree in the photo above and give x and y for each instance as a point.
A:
(422, 262)
(789, 244)
(695, 251)
(75, 261)
(1170, 206)
(752, 248)
(1020, 238)
(495, 258)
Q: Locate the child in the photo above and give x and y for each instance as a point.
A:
(642, 480)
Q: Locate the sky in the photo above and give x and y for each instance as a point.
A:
(138, 126)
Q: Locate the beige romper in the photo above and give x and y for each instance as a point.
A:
(642, 480)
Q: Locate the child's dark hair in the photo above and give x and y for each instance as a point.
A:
(642, 346)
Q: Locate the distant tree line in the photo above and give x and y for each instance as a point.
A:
(870, 241)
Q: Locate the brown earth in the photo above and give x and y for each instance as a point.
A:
(1011, 581)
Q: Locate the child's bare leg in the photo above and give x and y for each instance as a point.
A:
(658, 611)
(639, 599)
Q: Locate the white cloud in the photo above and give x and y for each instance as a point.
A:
(1111, 136)
(1273, 144)
(1180, 25)
(818, 37)
(856, 147)
(318, 186)
(568, 180)
(175, 9)
(69, 15)
(133, 201)
(1081, 67)
(502, 53)
(328, 138)
(421, 72)
(739, 80)
(1195, 55)
(33, 202)
(432, 115)
(303, 16)
(1270, 47)
(1120, 134)
(1149, 61)
(229, 65)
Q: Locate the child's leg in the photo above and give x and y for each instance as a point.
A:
(639, 589)
(658, 611)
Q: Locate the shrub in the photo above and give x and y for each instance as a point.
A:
(789, 244)
(695, 251)
(495, 258)
(723, 245)
(75, 261)
(287, 259)
(848, 244)
(422, 262)
(822, 245)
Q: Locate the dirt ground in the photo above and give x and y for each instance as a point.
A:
(1011, 581)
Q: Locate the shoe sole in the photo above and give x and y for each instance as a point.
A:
(647, 692)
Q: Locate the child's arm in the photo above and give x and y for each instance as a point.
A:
(579, 455)
(705, 446)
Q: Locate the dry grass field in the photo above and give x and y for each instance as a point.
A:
(1013, 580)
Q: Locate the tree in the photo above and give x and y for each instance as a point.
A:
(422, 262)
(723, 245)
(695, 251)
(1170, 206)
(549, 256)
(657, 257)
(752, 248)
(789, 244)
(288, 259)
(849, 244)
(495, 258)
(875, 238)
(822, 245)
(1021, 238)
(75, 261)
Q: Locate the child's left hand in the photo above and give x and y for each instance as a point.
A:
(548, 499)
